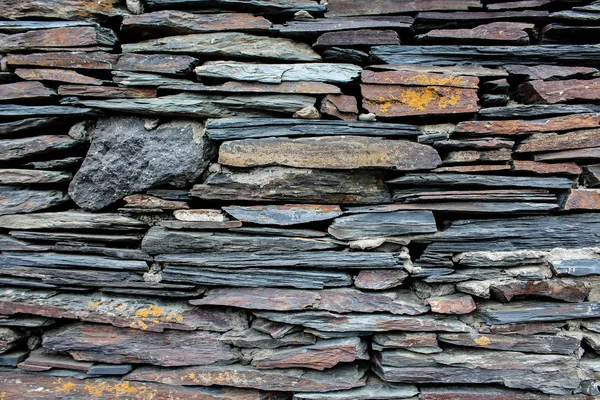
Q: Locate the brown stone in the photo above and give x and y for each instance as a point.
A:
(260, 298)
(572, 140)
(474, 168)
(149, 202)
(56, 75)
(340, 106)
(170, 64)
(514, 127)
(452, 304)
(382, 7)
(321, 355)
(170, 22)
(569, 155)
(107, 92)
(360, 37)
(347, 152)
(582, 199)
(524, 329)
(257, 87)
(105, 343)
(67, 60)
(400, 101)
(414, 78)
(59, 9)
(470, 156)
(22, 385)
(59, 38)
(558, 289)
(25, 91)
(549, 72)
(15, 149)
(380, 279)
(32, 176)
(406, 340)
(505, 33)
(460, 70)
(560, 91)
(546, 168)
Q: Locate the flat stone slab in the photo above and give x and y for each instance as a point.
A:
(290, 214)
(519, 312)
(15, 200)
(518, 127)
(373, 225)
(68, 60)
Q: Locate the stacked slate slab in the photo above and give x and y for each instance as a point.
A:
(300, 199)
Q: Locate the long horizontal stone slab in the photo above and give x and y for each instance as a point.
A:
(542, 344)
(277, 73)
(59, 9)
(294, 185)
(321, 26)
(518, 127)
(558, 289)
(261, 6)
(383, 7)
(160, 240)
(253, 128)
(536, 111)
(69, 220)
(105, 92)
(25, 91)
(20, 111)
(581, 55)
(25, 26)
(581, 139)
(254, 339)
(58, 38)
(256, 87)
(16, 176)
(227, 44)
(105, 343)
(552, 92)
(153, 315)
(520, 312)
(288, 214)
(56, 75)
(373, 225)
(329, 153)
(419, 78)
(16, 149)
(208, 106)
(495, 33)
(57, 260)
(576, 267)
(454, 180)
(169, 64)
(374, 322)
(67, 60)
(244, 376)
(374, 389)
(15, 200)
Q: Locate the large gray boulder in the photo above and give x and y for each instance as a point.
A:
(125, 158)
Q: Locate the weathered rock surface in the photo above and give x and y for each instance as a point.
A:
(158, 63)
(560, 91)
(57, 75)
(59, 9)
(125, 158)
(25, 91)
(382, 7)
(541, 344)
(21, 148)
(360, 37)
(373, 225)
(291, 214)
(555, 289)
(510, 33)
(78, 60)
(538, 312)
(60, 38)
(379, 279)
(15, 200)
(516, 127)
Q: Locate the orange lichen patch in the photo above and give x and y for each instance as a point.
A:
(65, 387)
(94, 304)
(420, 79)
(482, 340)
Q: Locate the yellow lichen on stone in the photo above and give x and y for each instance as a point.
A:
(63, 387)
(418, 98)
(483, 340)
(94, 303)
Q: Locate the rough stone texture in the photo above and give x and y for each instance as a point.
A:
(510, 33)
(122, 145)
(373, 225)
(291, 214)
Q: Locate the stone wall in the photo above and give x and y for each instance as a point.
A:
(252, 199)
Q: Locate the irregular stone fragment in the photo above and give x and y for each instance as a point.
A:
(519, 312)
(147, 201)
(398, 101)
(32, 177)
(124, 159)
(23, 200)
(105, 92)
(591, 175)
(340, 106)
(158, 63)
(379, 279)
(171, 22)
(121, 311)
(546, 168)
(509, 33)
(58, 38)
(331, 322)
(371, 225)
(541, 344)
(549, 72)
(66, 60)
(25, 91)
(244, 376)
(16, 149)
(294, 185)
(291, 214)
(453, 304)
(560, 91)
(9, 338)
(516, 127)
(200, 215)
(228, 44)
(309, 112)
(329, 153)
(105, 343)
(360, 37)
(277, 73)
(582, 199)
(382, 7)
(56, 75)
(556, 289)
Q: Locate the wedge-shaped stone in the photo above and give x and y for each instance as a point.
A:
(25, 91)
(383, 7)
(340, 106)
(329, 153)
(277, 73)
(576, 267)
(552, 374)
(542, 344)
(14, 200)
(16, 149)
(549, 72)
(290, 214)
(67, 60)
(260, 6)
(160, 240)
(582, 199)
(9, 338)
(105, 343)
(560, 91)
(567, 141)
(228, 44)
(70, 220)
(487, 55)
(372, 225)
(18, 384)
(56, 75)
(482, 181)
(59, 38)
(507, 33)
(32, 176)
(59, 9)
(245, 376)
(322, 355)
(208, 106)
(516, 127)
(294, 185)
(159, 63)
(399, 101)
(171, 22)
(554, 288)
(252, 128)
(519, 312)
(336, 300)
(120, 311)
(331, 322)
(125, 159)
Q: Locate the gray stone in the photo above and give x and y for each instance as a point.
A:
(124, 159)
(373, 225)
(15, 200)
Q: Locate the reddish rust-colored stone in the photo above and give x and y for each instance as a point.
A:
(380, 279)
(508, 33)
(340, 106)
(106, 92)
(546, 168)
(514, 127)
(560, 91)
(582, 199)
(59, 38)
(59, 9)
(260, 298)
(68, 60)
(56, 75)
(555, 289)
(24, 90)
(360, 37)
(452, 304)
(401, 339)
(411, 78)
(474, 168)
(573, 140)
(468, 156)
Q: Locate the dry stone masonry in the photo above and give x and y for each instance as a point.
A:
(300, 199)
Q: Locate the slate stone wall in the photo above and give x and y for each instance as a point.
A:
(251, 199)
